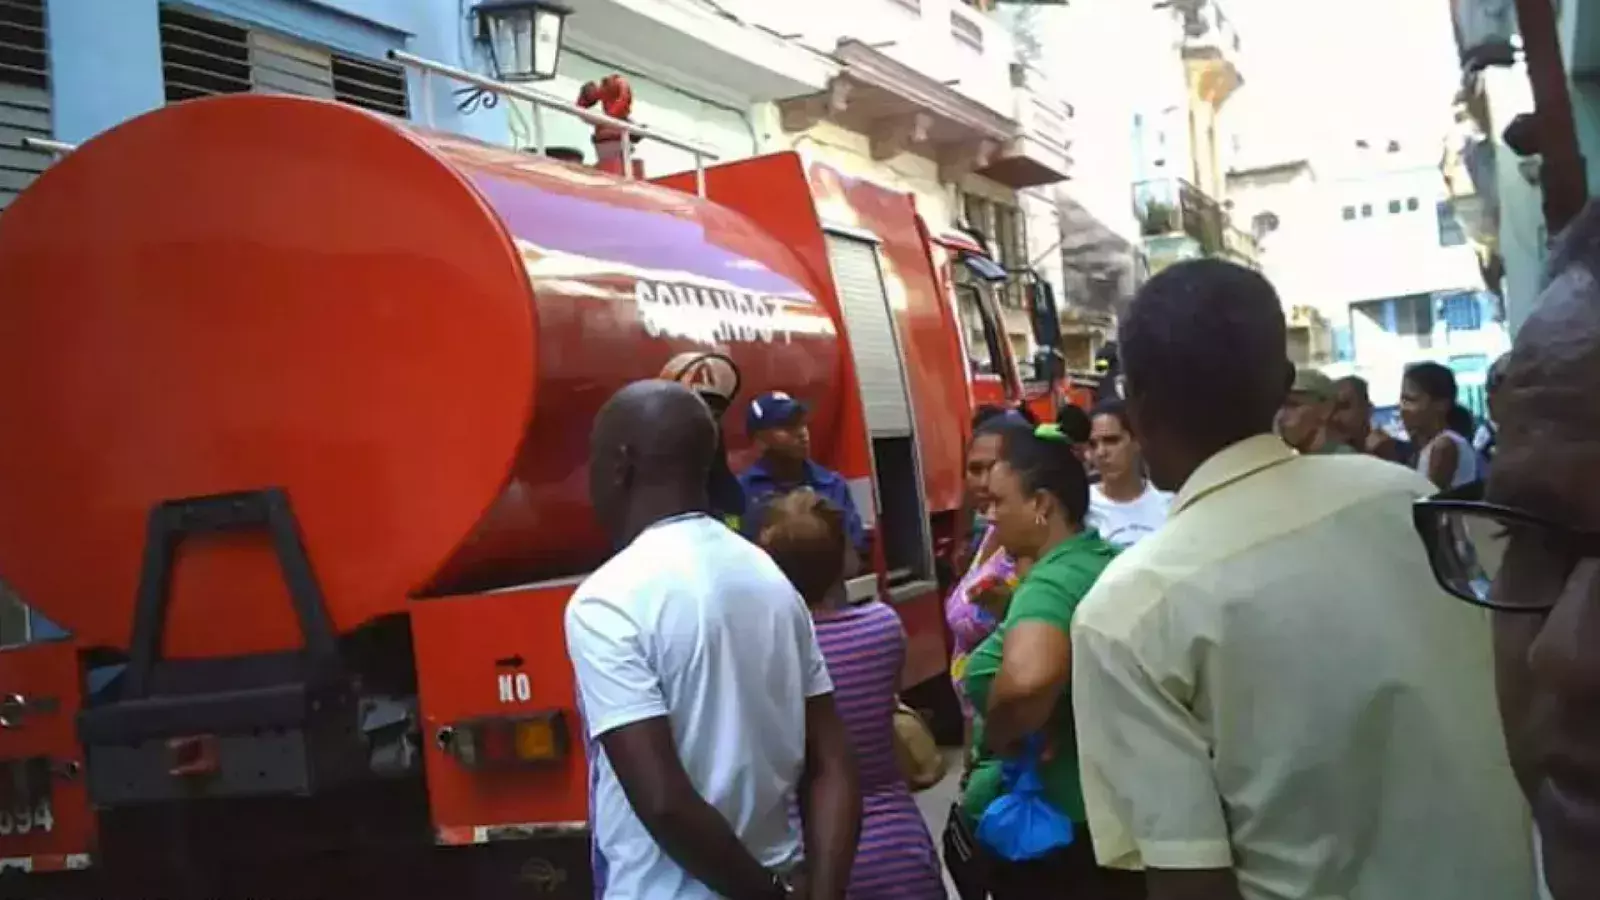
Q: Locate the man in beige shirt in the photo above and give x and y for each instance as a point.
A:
(1274, 699)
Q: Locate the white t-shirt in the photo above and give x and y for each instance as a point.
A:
(697, 624)
(1123, 524)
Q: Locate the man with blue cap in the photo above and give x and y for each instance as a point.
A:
(777, 423)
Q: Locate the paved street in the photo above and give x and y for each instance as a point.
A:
(935, 805)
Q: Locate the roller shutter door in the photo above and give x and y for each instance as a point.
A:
(870, 328)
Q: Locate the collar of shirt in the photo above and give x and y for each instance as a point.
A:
(1087, 539)
(813, 476)
(1230, 465)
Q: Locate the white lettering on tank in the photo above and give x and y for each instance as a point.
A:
(713, 315)
(644, 297)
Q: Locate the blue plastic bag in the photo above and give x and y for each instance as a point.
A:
(1021, 824)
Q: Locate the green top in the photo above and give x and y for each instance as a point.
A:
(1051, 593)
(1333, 448)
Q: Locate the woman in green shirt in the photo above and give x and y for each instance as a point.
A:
(1017, 678)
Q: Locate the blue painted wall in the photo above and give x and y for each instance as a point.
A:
(105, 55)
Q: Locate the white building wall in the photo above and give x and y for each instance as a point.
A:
(1294, 255)
(918, 33)
(1384, 253)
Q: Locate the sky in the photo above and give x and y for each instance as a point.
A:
(1326, 73)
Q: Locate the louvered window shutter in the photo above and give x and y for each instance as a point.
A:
(202, 55)
(24, 94)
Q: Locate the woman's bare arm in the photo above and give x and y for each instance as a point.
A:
(1442, 461)
(1035, 663)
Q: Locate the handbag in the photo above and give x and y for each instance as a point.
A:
(915, 749)
(1020, 824)
(964, 859)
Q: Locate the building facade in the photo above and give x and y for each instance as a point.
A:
(1399, 279)
(932, 97)
(1496, 90)
(1180, 149)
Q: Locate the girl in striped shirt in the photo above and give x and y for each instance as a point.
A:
(865, 648)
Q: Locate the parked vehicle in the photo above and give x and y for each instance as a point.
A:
(302, 399)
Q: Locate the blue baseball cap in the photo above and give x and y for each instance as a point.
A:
(774, 409)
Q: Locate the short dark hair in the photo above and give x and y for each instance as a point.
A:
(1433, 379)
(1004, 425)
(1114, 408)
(984, 413)
(1204, 347)
(1073, 422)
(1357, 384)
(1046, 464)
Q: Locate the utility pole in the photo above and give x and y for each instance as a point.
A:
(1562, 178)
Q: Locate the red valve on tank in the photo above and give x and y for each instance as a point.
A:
(614, 96)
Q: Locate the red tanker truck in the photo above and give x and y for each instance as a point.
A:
(299, 402)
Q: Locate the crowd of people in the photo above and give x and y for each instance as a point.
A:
(1209, 646)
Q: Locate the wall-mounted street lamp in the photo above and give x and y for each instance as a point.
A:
(523, 36)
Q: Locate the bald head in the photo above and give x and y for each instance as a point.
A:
(649, 455)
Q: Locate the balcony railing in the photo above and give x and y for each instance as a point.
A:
(1173, 206)
(1242, 245)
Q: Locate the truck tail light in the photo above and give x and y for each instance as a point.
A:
(508, 741)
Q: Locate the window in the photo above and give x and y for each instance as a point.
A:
(1394, 207)
(977, 212)
(202, 56)
(1413, 317)
(1349, 213)
(1366, 210)
(24, 94)
(1462, 312)
(965, 31)
(983, 330)
(1412, 204)
(1450, 232)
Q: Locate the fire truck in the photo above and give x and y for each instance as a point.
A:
(300, 400)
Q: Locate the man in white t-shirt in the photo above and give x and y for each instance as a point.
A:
(704, 693)
(1123, 506)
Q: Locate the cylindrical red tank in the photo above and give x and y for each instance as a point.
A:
(409, 333)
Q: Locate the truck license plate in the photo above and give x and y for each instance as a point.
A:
(25, 805)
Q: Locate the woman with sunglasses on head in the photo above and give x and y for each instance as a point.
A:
(1017, 677)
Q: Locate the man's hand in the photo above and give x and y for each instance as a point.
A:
(686, 827)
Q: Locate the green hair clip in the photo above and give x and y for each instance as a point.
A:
(1050, 431)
